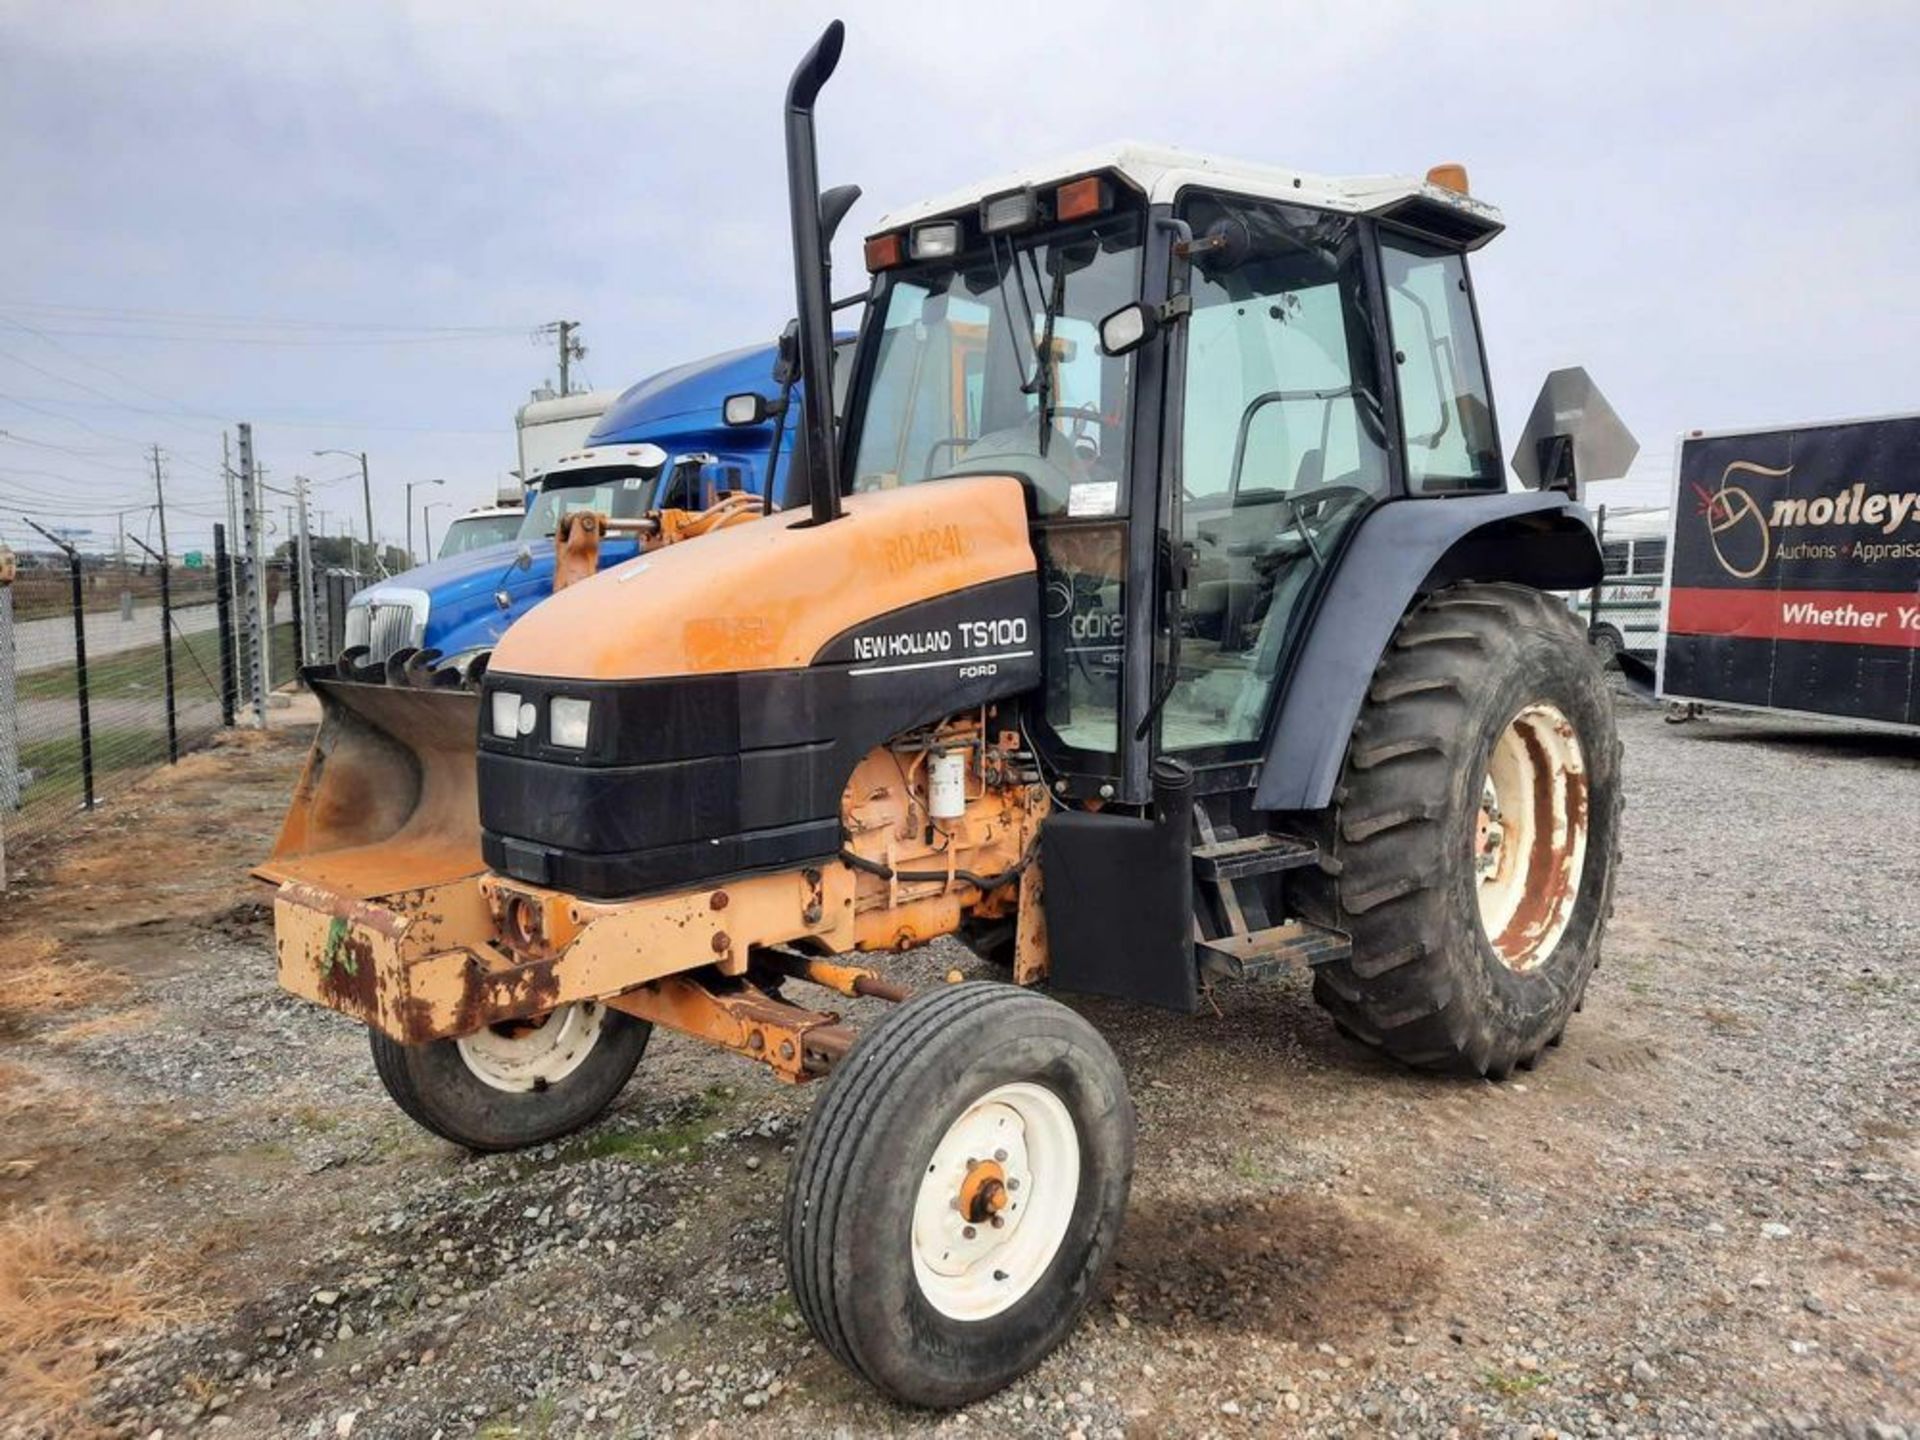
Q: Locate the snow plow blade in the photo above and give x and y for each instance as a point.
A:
(388, 800)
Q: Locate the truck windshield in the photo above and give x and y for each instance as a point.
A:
(957, 385)
(476, 532)
(617, 492)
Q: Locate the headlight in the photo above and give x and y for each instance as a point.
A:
(937, 241)
(567, 722)
(512, 716)
(359, 625)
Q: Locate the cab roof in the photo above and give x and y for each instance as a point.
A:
(1161, 172)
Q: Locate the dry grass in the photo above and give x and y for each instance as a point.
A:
(63, 1295)
(119, 1022)
(52, 1104)
(37, 978)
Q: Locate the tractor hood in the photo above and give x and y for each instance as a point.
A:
(697, 712)
(776, 592)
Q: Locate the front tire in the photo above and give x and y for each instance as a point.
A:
(1475, 834)
(514, 1086)
(958, 1193)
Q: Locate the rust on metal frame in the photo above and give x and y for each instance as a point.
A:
(795, 1043)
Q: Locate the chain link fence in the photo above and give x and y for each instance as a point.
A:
(110, 667)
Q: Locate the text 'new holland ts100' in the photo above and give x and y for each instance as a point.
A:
(1157, 617)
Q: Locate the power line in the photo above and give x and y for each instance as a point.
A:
(304, 423)
(101, 366)
(108, 312)
(283, 342)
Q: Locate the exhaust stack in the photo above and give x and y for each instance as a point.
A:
(819, 450)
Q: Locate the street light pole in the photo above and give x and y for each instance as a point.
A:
(413, 559)
(426, 519)
(366, 497)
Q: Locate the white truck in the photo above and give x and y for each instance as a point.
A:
(550, 426)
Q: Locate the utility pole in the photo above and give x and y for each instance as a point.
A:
(160, 505)
(571, 349)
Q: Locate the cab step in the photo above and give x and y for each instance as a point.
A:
(1263, 854)
(1265, 954)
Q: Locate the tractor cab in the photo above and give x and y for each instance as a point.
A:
(1205, 374)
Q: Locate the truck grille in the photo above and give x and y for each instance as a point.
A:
(390, 628)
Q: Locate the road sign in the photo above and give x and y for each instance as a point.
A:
(196, 560)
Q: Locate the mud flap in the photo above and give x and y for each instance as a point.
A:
(1120, 899)
(388, 800)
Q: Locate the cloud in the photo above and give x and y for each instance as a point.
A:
(1710, 208)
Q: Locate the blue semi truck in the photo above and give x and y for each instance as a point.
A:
(662, 444)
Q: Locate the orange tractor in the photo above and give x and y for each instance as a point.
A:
(1157, 619)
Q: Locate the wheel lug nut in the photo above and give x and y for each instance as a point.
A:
(1013, 1184)
(998, 1223)
(1001, 1156)
(969, 1233)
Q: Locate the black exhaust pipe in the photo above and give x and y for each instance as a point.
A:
(819, 452)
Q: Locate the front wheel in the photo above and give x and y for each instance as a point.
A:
(517, 1084)
(959, 1191)
(1473, 842)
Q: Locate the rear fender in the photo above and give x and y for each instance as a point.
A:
(1402, 551)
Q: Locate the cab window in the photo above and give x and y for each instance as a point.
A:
(1445, 413)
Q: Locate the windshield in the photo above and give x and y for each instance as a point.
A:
(476, 532)
(619, 492)
(958, 385)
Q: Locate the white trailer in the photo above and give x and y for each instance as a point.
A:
(551, 425)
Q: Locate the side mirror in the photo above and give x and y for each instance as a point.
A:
(1127, 329)
(523, 558)
(747, 408)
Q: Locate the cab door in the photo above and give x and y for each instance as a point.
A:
(1280, 446)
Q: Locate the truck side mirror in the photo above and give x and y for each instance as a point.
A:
(747, 408)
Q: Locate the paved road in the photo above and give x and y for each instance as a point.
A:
(47, 643)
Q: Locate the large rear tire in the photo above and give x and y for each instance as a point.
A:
(513, 1086)
(1472, 845)
(958, 1192)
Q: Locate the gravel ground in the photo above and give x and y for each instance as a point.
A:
(1697, 1217)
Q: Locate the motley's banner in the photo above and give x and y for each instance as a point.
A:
(1794, 580)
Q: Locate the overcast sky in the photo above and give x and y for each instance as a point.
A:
(1716, 209)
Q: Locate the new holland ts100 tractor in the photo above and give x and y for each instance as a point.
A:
(1157, 618)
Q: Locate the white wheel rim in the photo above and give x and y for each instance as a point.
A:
(1530, 837)
(1022, 1138)
(533, 1054)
